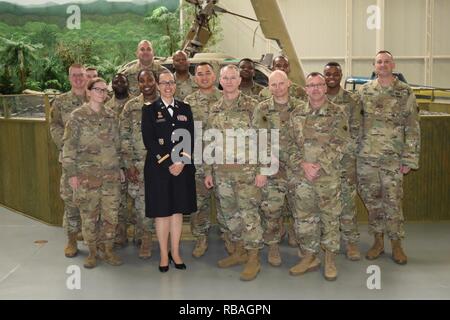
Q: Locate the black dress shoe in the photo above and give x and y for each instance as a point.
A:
(180, 266)
(163, 268)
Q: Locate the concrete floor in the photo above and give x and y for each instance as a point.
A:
(40, 271)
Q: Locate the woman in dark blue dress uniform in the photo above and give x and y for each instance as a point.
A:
(169, 173)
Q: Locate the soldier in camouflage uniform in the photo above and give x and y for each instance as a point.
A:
(247, 73)
(91, 158)
(319, 138)
(388, 149)
(201, 101)
(60, 111)
(336, 94)
(145, 55)
(235, 180)
(133, 156)
(184, 80)
(121, 96)
(274, 113)
(282, 63)
(296, 91)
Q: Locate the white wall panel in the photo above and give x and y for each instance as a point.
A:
(405, 25)
(441, 27)
(363, 39)
(441, 72)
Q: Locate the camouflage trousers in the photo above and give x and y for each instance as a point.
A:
(316, 207)
(71, 218)
(348, 222)
(238, 204)
(272, 208)
(200, 220)
(143, 223)
(380, 184)
(99, 209)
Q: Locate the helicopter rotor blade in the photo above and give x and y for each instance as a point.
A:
(222, 10)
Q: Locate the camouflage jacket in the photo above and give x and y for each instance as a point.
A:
(270, 115)
(91, 143)
(62, 107)
(318, 136)
(184, 88)
(201, 103)
(132, 69)
(117, 105)
(253, 91)
(294, 91)
(390, 123)
(236, 116)
(132, 147)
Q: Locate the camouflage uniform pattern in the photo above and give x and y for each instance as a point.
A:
(318, 136)
(185, 88)
(133, 154)
(116, 106)
(389, 138)
(132, 69)
(238, 196)
(200, 105)
(61, 108)
(253, 91)
(349, 225)
(91, 153)
(270, 115)
(294, 91)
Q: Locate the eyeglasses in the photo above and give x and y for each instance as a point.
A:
(100, 90)
(167, 83)
(319, 85)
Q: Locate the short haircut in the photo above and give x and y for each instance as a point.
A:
(246, 60)
(76, 66)
(91, 69)
(314, 74)
(94, 81)
(120, 74)
(229, 66)
(204, 63)
(145, 70)
(280, 56)
(386, 52)
(333, 64)
(164, 72)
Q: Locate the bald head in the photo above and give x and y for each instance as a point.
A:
(145, 53)
(279, 86)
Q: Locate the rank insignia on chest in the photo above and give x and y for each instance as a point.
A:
(159, 115)
(161, 141)
(182, 117)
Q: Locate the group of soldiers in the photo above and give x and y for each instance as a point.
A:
(332, 143)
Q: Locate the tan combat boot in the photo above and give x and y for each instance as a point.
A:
(353, 253)
(309, 263)
(377, 248)
(239, 256)
(397, 252)
(145, 250)
(292, 240)
(100, 250)
(71, 249)
(330, 270)
(121, 238)
(201, 245)
(91, 260)
(274, 255)
(252, 267)
(110, 257)
(230, 246)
